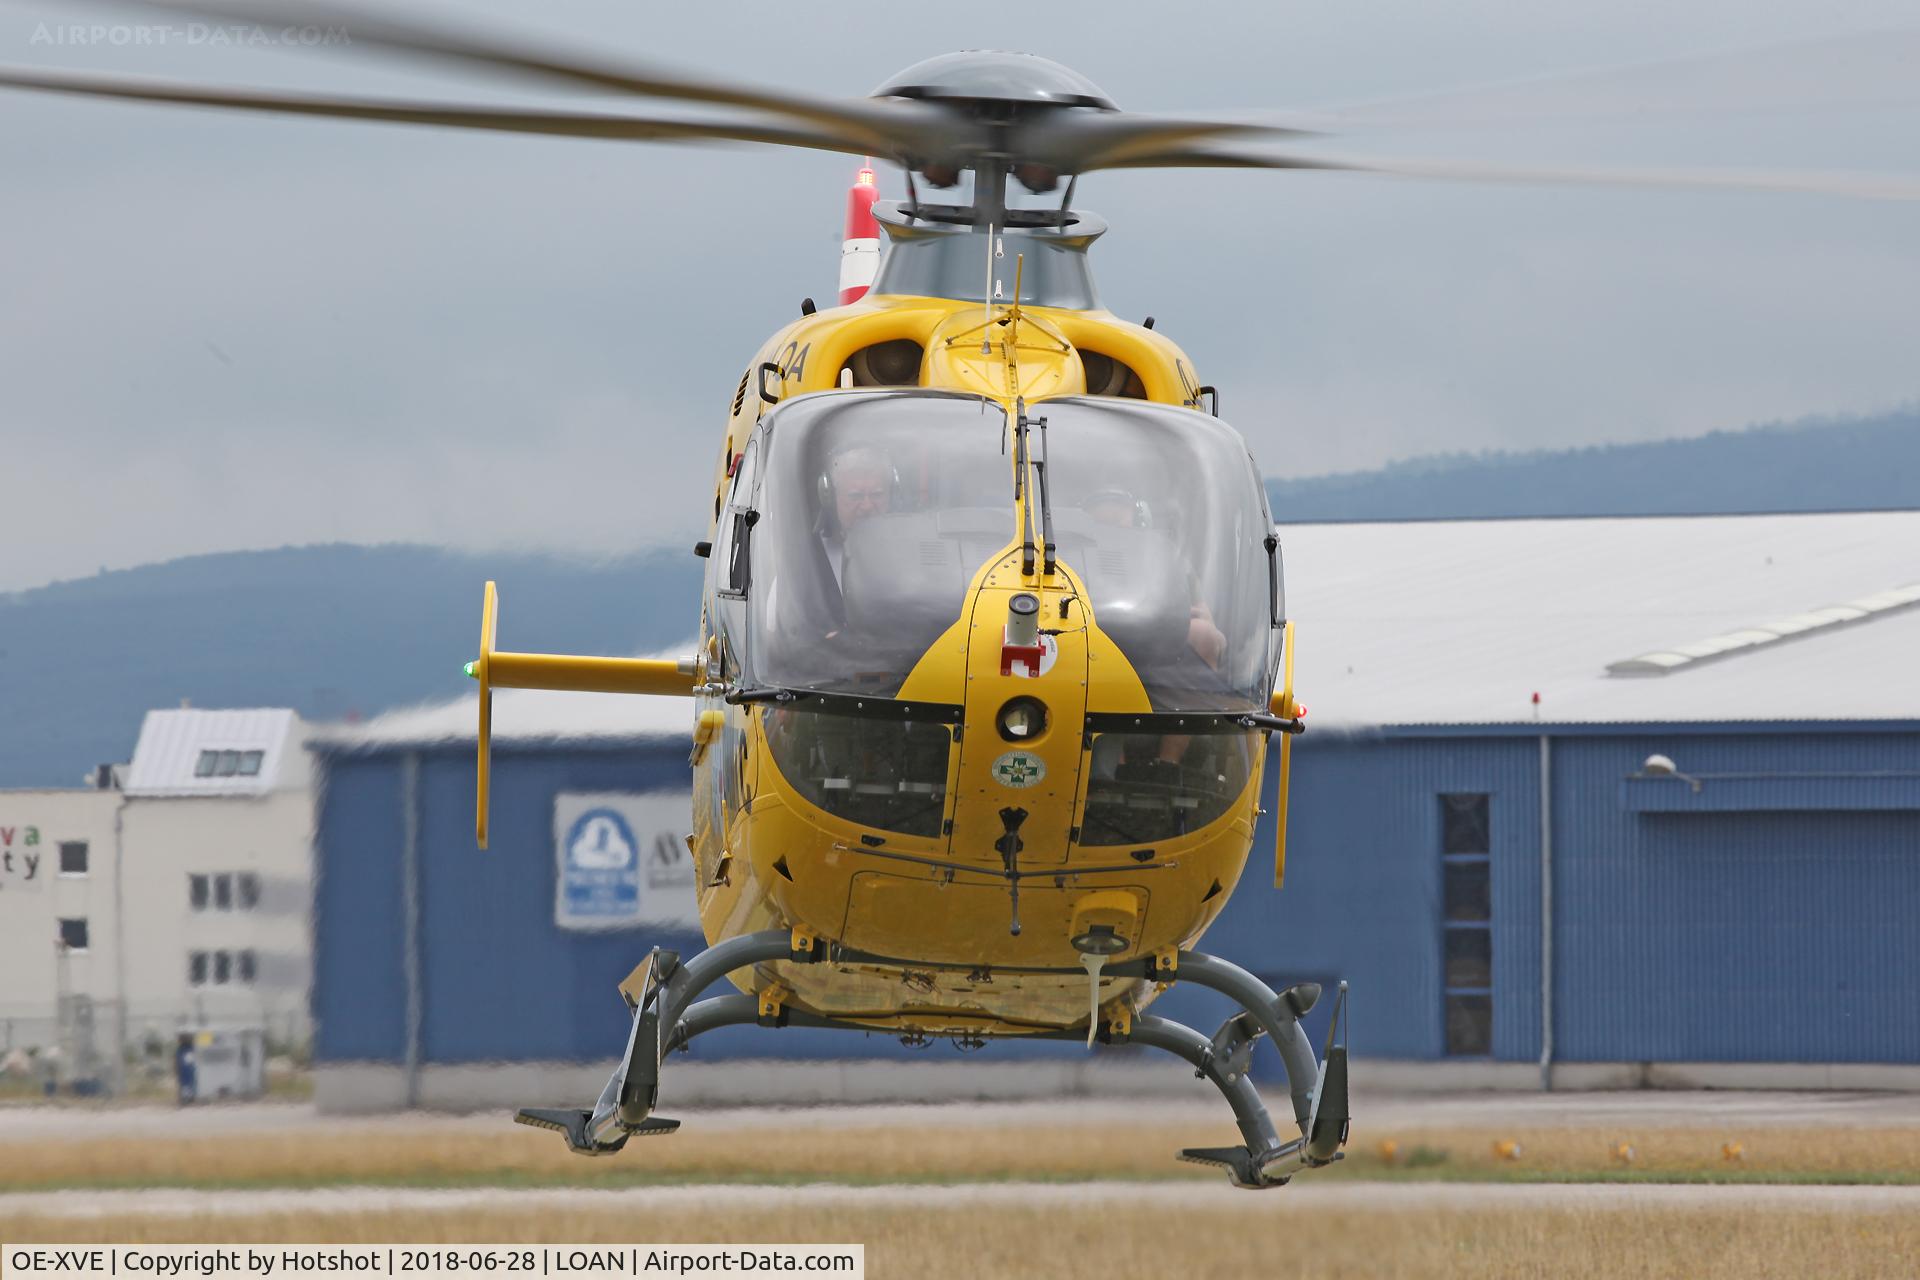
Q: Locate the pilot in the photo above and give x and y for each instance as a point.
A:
(1118, 507)
(861, 481)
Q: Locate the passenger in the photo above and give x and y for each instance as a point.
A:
(1119, 508)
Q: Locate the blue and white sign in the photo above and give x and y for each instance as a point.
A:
(622, 861)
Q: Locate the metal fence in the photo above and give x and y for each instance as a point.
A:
(86, 1047)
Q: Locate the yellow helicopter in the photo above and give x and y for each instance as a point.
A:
(993, 636)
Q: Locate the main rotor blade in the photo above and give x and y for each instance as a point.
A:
(1867, 71)
(447, 115)
(881, 128)
(1082, 140)
(1859, 186)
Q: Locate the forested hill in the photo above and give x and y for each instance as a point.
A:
(1859, 464)
(327, 630)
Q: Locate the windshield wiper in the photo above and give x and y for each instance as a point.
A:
(1050, 559)
(1023, 458)
(1020, 462)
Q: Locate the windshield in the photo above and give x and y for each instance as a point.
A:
(875, 511)
(1161, 513)
(940, 260)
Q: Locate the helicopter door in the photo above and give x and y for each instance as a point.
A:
(730, 577)
(730, 566)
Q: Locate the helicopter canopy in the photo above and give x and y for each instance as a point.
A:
(875, 511)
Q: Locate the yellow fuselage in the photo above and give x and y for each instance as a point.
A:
(768, 858)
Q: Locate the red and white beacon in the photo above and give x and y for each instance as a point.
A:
(860, 250)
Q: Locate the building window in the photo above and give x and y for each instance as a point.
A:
(73, 934)
(223, 892)
(222, 968)
(1466, 869)
(1463, 824)
(197, 969)
(197, 892)
(228, 764)
(248, 885)
(1469, 1026)
(1469, 891)
(1469, 959)
(247, 966)
(73, 857)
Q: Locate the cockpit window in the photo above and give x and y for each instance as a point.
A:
(1146, 787)
(1161, 513)
(875, 510)
(891, 775)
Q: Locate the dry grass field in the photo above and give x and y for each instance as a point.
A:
(987, 1191)
(881, 1154)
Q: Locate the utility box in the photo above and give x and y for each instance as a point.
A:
(210, 1066)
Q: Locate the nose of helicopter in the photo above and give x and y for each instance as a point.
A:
(1027, 692)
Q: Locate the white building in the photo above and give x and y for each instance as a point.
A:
(57, 917)
(177, 899)
(218, 870)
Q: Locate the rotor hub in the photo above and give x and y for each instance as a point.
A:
(995, 77)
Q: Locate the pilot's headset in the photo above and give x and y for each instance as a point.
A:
(829, 506)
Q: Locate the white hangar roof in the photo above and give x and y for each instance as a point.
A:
(1783, 617)
(520, 715)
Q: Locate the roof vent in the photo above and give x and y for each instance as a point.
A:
(1684, 657)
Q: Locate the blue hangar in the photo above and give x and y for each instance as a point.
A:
(1583, 803)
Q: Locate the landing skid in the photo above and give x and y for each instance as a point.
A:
(573, 1122)
(662, 991)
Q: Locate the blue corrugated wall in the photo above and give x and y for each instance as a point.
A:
(1769, 922)
(358, 929)
(1782, 934)
(1785, 928)
(499, 979)
(1362, 895)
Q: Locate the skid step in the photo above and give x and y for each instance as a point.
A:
(1242, 1166)
(572, 1122)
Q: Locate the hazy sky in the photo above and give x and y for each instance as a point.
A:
(219, 333)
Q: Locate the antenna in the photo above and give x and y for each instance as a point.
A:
(1013, 312)
(986, 319)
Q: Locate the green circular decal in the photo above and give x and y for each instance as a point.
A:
(1019, 769)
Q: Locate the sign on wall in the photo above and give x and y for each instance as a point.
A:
(22, 858)
(621, 860)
